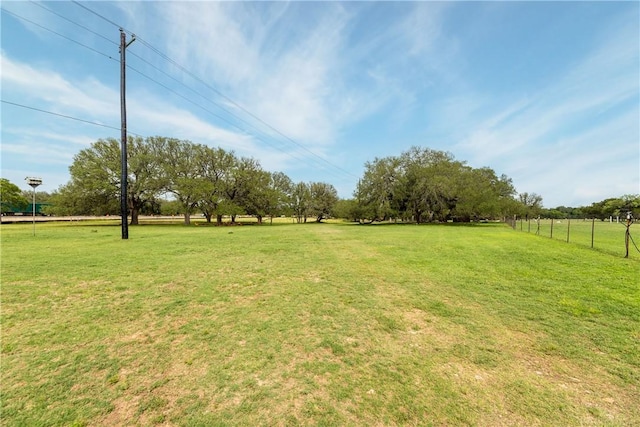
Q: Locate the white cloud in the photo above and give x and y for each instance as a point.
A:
(87, 95)
(42, 134)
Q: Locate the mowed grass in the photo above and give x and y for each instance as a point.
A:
(316, 324)
(607, 236)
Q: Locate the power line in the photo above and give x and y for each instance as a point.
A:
(192, 75)
(65, 116)
(198, 79)
(142, 74)
(212, 113)
(100, 16)
(196, 92)
(73, 22)
(57, 33)
(186, 71)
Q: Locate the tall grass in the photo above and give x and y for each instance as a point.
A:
(317, 324)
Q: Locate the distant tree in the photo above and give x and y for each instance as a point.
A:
(261, 198)
(614, 207)
(245, 177)
(270, 195)
(482, 194)
(11, 196)
(431, 183)
(74, 198)
(301, 201)
(215, 165)
(378, 192)
(284, 187)
(145, 182)
(180, 172)
(531, 203)
(554, 213)
(323, 198)
(170, 207)
(41, 196)
(96, 174)
(428, 185)
(347, 209)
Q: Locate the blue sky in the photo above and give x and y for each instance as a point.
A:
(547, 93)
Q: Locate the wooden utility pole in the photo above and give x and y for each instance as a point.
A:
(123, 141)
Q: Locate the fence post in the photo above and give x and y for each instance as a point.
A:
(627, 234)
(552, 228)
(568, 227)
(529, 225)
(593, 226)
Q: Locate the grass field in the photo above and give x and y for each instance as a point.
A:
(607, 236)
(315, 324)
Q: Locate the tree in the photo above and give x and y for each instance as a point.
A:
(531, 203)
(145, 180)
(430, 184)
(323, 198)
(74, 198)
(11, 196)
(269, 195)
(377, 193)
(180, 169)
(300, 201)
(216, 165)
(261, 198)
(347, 209)
(283, 187)
(94, 188)
(245, 177)
(483, 194)
(427, 185)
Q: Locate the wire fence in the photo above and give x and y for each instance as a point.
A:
(617, 236)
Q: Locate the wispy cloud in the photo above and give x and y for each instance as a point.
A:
(532, 133)
(87, 95)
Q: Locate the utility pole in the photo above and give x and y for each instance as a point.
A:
(123, 143)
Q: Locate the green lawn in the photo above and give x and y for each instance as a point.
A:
(315, 324)
(607, 236)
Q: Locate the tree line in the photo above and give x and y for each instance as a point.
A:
(195, 178)
(179, 177)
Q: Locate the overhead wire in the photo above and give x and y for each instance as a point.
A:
(198, 79)
(73, 22)
(4, 101)
(183, 69)
(146, 76)
(209, 111)
(57, 33)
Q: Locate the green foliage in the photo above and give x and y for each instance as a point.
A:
(323, 198)
(199, 179)
(531, 205)
(346, 209)
(11, 196)
(301, 201)
(94, 188)
(427, 185)
(614, 207)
